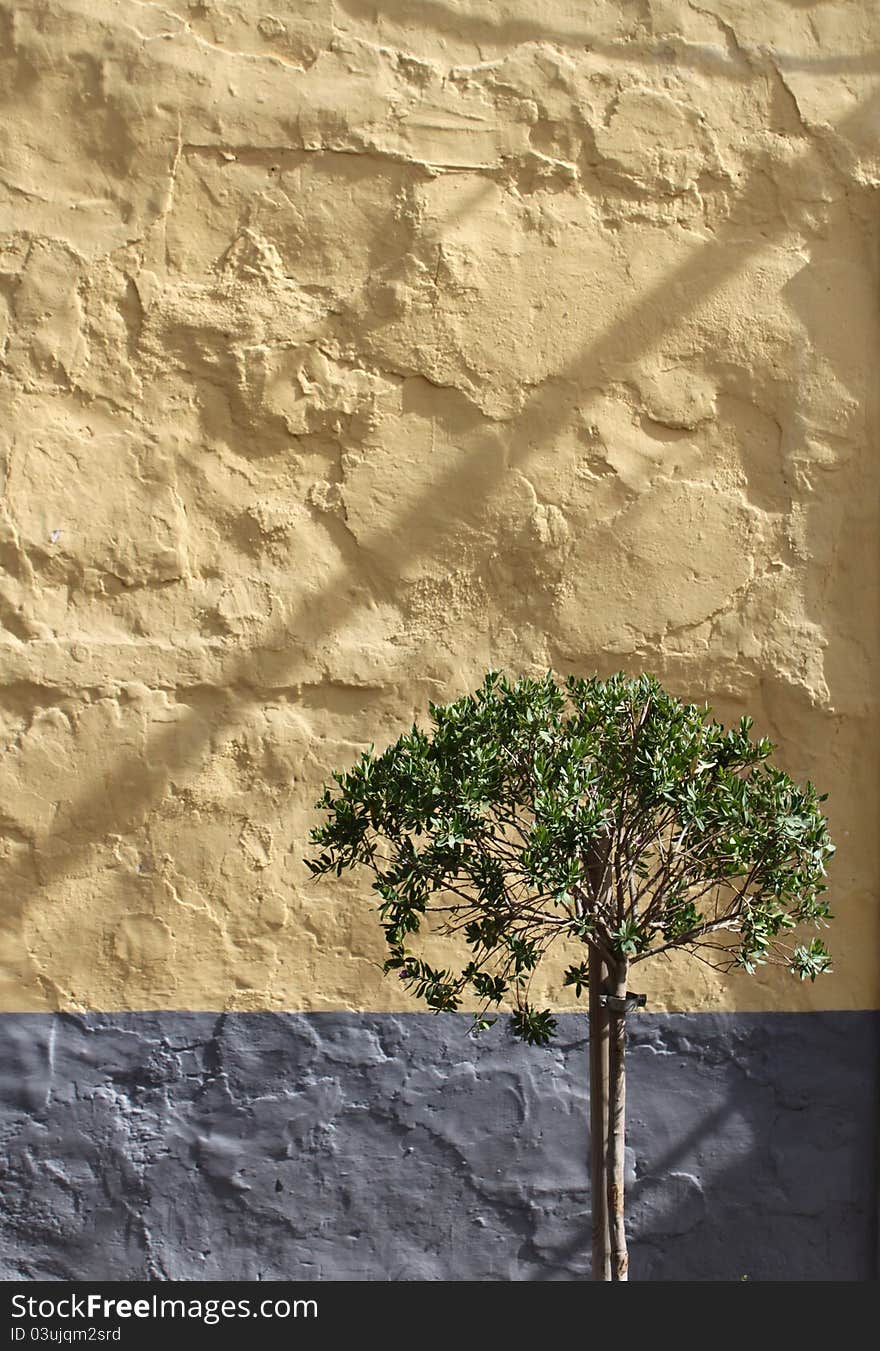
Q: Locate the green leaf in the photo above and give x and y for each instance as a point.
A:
(535, 1026)
(603, 809)
(578, 976)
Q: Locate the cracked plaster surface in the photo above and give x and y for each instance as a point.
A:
(189, 1146)
(348, 352)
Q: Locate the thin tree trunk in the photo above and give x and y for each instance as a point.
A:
(616, 1125)
(598, 1020)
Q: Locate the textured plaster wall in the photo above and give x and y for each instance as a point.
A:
(379, 1147)
(348, 350)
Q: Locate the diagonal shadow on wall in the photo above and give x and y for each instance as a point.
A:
(753, 1140)
(178, 748)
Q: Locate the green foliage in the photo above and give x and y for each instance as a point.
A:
(534, 1026)
(604, 810)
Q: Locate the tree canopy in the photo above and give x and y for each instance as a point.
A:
(604, 810)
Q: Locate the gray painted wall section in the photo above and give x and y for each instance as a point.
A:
(393, 1147)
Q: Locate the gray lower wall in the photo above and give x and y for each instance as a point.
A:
(389, 1147)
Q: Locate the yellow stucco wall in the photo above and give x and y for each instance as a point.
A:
(351, 349)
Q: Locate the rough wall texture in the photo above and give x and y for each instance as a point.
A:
(348, 350)
(359, 1147)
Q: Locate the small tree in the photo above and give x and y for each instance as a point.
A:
(602, 811)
